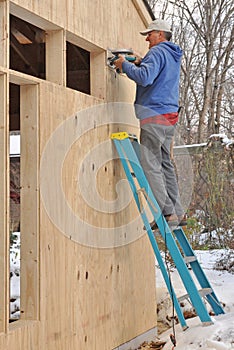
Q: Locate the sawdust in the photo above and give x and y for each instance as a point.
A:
(152, 345)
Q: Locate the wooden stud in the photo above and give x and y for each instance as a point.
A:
(4, 204)
(4, 33)
(98, 74)
(29, 172)
(19, 78)
(55, 57)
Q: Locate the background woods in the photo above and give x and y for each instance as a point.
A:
(204, 30)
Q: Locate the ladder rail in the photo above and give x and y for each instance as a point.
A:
(129, 156)
(151, 237)
(165, 232)
(164, 229)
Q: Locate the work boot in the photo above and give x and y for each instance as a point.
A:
(153, 226)
(171, 219)
(182, 220)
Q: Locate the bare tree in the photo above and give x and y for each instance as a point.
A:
(205, 31)
(159, 7)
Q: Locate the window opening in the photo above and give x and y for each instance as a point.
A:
(27, 48)
(14, 126)
(78, 68)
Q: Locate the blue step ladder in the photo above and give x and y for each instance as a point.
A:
(175, 239)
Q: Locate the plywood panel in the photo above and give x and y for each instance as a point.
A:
(143, 13)
(104, 23)
(109, 277)
(23, 334)
(96, 291)
(120, 88)
(93, 21)
(46, 15)
(107, 24)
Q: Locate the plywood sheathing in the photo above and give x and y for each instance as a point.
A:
(96, 290)
(104, 23)
(80, 296)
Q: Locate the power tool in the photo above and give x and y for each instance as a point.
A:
(127, 53)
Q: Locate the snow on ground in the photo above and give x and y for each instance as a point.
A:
(15, 276)
(220, 335)
(223, 138)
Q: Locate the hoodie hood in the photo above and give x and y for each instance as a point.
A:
(171, 48)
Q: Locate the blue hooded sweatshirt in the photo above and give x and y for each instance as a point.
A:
(157, 79)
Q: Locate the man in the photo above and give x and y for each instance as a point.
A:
(156, 106)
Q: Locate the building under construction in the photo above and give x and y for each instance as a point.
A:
(87, 276)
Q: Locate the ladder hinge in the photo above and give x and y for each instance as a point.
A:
(119, 135)
(123, 135)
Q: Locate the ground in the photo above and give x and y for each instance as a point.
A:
(220, 335)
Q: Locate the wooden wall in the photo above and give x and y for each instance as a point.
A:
(87, 269)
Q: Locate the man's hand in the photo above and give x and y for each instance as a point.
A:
(118, 63)
(138, 59)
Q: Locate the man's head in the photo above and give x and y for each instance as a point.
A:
(157, 32)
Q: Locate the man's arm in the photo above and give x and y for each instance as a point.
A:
(143, 74)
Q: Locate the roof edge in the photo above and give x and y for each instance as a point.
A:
(149, 9)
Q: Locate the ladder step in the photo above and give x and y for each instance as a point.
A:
(203, 292)
(189, 259)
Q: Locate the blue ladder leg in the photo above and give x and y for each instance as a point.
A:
(198, 271)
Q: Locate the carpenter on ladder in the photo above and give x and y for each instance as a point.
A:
(156, 106)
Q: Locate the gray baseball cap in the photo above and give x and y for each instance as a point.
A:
(157, 24)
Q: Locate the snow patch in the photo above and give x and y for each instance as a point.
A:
(223, 138)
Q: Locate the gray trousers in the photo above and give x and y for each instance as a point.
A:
(155, 140)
